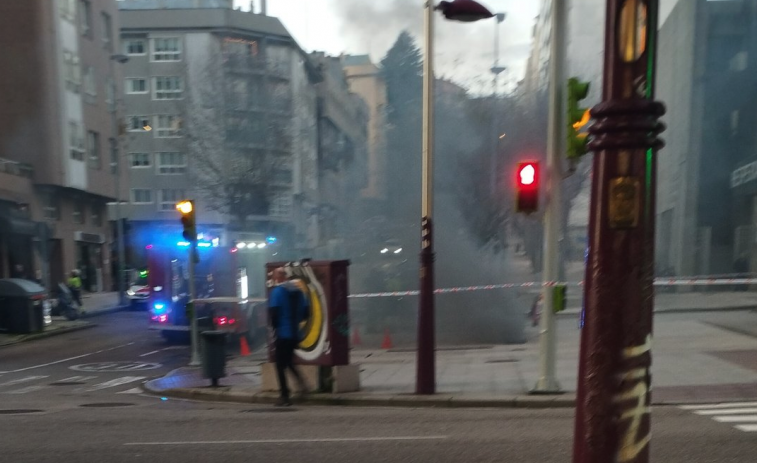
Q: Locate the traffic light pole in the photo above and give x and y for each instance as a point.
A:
(195, 361)
(547, 383)
(613, 400)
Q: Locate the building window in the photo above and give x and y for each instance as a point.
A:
(78, 214)
(68, 9)
(71, 71)
(139, 160)
(107, 31)
(113, 155)
(76, 141)
(169, 198)
(85, 18)
(281, 206)
(138, 124)
(172, 163)
(90, 85)
(166, 88)
(136, 85)
(50, 207)
(141, 196)
(167, 126)
(97, 218)
(166, 49)
(134, 47)
(110, 93)
(93, 150)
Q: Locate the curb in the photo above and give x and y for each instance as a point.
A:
(227, 394)
(118, 308)
(47, 334)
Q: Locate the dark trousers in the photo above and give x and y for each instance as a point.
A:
(285, 361)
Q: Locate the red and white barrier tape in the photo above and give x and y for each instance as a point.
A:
(535, 284)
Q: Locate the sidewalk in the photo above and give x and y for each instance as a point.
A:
(694, 362)
(94, 304)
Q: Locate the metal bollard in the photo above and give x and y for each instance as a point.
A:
(214, 355)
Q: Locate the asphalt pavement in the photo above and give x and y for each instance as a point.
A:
(75, 398)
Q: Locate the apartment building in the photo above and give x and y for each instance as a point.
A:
(58, 141)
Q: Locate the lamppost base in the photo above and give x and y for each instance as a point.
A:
(544, 387)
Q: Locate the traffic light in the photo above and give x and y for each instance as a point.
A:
(577, 118)
(187, 209)
(527, 189)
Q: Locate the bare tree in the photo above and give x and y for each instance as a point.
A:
(229, 137)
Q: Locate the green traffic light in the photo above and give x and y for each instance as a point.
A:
(577, 118)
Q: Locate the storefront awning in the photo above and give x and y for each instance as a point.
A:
(17, 226)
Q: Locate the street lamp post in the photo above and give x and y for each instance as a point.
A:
(121, 59)
(496, 71)
(613, 413)
(457, 10)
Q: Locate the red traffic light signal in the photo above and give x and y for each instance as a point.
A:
(527, 187)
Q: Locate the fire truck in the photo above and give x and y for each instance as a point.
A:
(221, 287)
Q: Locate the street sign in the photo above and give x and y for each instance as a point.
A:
(115, 366)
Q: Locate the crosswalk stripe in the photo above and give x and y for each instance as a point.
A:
(734, 411)
(736, 419)
(115, 382)
(24, 390)
(134, 390)
(714, 406)
(747, 427)
(22, 380)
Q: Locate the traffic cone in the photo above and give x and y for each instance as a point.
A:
(356, 341)
(244, 348)
(387, 343)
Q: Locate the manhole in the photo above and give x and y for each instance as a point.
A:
(19, 411)
(501, 361)
(68, 383)
(107, 405)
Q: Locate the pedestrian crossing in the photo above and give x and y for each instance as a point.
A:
(740, 415)
(71, 384)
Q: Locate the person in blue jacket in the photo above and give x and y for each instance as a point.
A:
(288, 307)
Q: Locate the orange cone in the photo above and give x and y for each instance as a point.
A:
(244, 348)
(356, 341)
(387, 343)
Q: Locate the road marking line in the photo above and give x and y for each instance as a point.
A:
(747, 427)
(68, 359)
(296, 441)
(115, 382)
(714, 406)
(736, 419)
(134, 390)
(76, 379)
(27, 389)
(150, 353)
(732, 411)
(22, 380)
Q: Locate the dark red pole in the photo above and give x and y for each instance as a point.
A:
(613, 401)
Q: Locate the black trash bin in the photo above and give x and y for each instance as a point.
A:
(21, 306)
(214, 355)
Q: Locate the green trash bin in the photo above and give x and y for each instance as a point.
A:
(214, 355)
(21, 306)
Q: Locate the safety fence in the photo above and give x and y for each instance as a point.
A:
(699, 280)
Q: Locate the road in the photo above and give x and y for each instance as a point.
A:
(95, 414)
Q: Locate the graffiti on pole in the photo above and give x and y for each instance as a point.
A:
(634, 402)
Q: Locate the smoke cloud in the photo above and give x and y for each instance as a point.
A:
(464, 52)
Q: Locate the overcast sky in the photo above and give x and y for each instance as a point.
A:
(464, 52)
